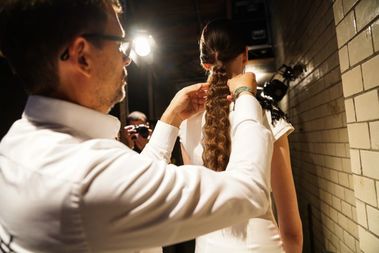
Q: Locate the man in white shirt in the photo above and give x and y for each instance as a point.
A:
(66, 184)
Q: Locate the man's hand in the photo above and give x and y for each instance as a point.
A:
(129, 134)
(246, 79)
(187, 102)
(134, 139)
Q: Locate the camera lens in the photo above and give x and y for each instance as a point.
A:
(143, 131)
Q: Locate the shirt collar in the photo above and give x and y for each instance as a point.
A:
(81, 119)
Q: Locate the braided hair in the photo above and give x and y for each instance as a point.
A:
(220, 43)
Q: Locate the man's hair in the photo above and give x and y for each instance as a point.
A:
(136, 115)
(34, 32)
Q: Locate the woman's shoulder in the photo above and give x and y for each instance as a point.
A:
(278, 126)
(277, 121)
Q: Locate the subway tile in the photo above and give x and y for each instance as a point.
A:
(343, 179)
(331, 149)
(342, 220)
(336, 203)
(375, 34)
(350, 110)
(338, 11)
(368, 242)
(352, 228)
(333, 176)
(346, 29)
(333, 61)
(351, 182)
(347, 148)
(333, 215)
(346, 165)
(332, 77)
(349, 241)
(365, 190)
(340, 150)
(361, 214)
(344, 248)
(346, 209)
(373, 219)
(367, 106)
(370, 73)
(343, 135)
(366, 11)
(357, 247)
(359, 135)
(348, 4)
(344, 58)
(370, 162)
(355, 161)
(339, 191)
(374, 133)
(352, 81)
(350, 197)
(360, 47)
(354, 211)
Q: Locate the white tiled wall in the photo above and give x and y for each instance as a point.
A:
(320, 149)
(371, 73)
(335, 110)
(358, 29)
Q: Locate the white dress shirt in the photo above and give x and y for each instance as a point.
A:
(66, 184)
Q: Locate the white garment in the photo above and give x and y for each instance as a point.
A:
(66, 184)
(259, 235)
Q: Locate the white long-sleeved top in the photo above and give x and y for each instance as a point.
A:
(66, 184)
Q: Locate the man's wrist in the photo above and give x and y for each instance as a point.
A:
(171, 118)
(243, 90)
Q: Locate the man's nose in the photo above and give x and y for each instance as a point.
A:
(126, 60)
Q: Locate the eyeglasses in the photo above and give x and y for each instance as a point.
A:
(125, 44)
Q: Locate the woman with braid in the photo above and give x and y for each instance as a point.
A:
(206, 139)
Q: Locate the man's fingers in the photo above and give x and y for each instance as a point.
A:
(229, 98)
(196, 88)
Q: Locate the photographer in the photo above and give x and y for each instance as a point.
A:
(137, 132)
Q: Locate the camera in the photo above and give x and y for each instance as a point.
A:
(275, 89)
(142, 130)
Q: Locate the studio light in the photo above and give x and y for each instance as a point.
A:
(142, 45)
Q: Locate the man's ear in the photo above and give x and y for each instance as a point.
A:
(80, 56)
(206, 66)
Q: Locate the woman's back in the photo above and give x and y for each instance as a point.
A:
(255, 235)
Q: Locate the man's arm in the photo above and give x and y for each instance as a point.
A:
(151, 203)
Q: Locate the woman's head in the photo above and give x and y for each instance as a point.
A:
(223, 54)
(222, 43)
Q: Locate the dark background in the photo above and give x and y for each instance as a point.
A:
(175, 27)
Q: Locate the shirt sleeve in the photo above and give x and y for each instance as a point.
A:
(135, 202)
(280, 128)
(161, 143)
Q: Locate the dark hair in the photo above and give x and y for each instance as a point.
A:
(221, 41)
(34, 32)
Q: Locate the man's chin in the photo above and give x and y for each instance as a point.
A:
(119, 97)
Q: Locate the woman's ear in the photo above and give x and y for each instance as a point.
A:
(206, 66)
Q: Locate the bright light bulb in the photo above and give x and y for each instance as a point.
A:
(142, 46)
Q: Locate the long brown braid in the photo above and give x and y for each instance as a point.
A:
(220, 43)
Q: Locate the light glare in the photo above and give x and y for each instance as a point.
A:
(142, 45)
